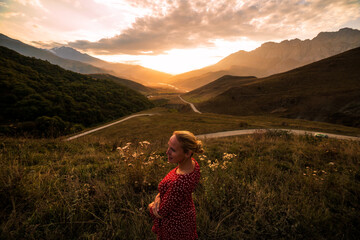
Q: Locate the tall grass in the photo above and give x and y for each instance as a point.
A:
(272, 185)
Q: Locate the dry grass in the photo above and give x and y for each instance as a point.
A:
(272, 185)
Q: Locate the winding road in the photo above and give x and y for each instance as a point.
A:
(222, 134)
(107, 125)
(191, 105)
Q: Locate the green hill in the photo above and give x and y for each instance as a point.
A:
(42, 99)
(327, 90)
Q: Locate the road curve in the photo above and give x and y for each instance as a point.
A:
(252, 131)
(108, 125)
(191, 105)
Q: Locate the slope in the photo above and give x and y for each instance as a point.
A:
(128, 83)
(45, 100)
(327, 90)
(217, 87)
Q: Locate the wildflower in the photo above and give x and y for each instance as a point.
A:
(127, 146)
(144, 144)
(229, 156)
(213, 165)
(202, 157)
(224, 165)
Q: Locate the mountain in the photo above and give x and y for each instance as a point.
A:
(136, 73)
(327, 90)
(42, 54)
(42, 99)
(272, 58)
(73, 60)
(72, 54)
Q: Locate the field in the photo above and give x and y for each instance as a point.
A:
(264, 186)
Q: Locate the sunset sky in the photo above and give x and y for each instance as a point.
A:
(171, 36)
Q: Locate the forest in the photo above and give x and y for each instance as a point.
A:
(40, 99)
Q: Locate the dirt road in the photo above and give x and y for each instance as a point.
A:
(191, 105)
(107, 125)
(252, 131)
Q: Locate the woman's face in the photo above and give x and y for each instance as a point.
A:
(175, 152)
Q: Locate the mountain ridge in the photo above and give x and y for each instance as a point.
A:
(136, 73)
(271, 58)
(30, 51)
(73, 60)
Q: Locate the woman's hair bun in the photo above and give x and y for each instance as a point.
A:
(199, 148)
(189, 141)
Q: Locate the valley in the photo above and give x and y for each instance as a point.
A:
(82, 153)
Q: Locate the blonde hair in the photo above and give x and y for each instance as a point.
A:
(188, 141)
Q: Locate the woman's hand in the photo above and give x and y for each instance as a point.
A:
(155, 206)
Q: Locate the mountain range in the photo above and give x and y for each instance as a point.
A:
(135, 73)
(268, 59)
(271, 58)
(73, 60)
(327, 90)
(30, 51)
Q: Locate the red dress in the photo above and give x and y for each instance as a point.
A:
(176, 206)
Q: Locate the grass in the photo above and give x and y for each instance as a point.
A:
(160, 126)
(272, 185)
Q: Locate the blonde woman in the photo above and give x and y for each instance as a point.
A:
(173, 209)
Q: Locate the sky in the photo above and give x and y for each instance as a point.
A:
(172, 36)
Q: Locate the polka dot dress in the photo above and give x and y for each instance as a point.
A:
(176, 206)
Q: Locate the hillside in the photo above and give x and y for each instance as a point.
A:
(128, 83)
(327, 90)
(45, 100)
(217, 87)
(272, 58)
(145, 76)
(30, 51)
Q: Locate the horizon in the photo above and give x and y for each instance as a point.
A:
(171, 36)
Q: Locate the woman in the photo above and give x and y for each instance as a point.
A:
(173, 209)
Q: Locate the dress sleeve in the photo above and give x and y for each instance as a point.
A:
(179, 190)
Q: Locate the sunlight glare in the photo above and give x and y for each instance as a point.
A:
(177, 61)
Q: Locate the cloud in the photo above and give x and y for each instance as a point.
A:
(184, 24)
(152, 27)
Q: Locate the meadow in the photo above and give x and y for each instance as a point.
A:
(263, 186)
